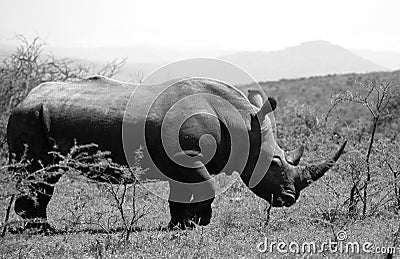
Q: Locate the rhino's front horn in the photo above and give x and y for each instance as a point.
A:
(314, 172)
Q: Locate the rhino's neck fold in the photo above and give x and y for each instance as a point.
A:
(255, 151)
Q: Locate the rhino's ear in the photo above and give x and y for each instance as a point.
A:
(255, 98)
(267, 107)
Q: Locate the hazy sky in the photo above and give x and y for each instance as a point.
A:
(205, 24)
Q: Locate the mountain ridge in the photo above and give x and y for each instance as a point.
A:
(311, 58)
(306, 59)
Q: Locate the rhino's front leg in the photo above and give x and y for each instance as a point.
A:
(179, 199)
(200, 212)
(191, 197)
(199, 209)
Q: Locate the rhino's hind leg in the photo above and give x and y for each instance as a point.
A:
(191, 197)
(32, 207)
(28, 138)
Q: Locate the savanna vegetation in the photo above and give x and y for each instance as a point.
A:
(357, 201)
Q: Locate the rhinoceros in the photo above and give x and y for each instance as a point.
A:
(55, 116)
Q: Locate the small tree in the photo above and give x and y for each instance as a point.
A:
(139, 77)
(29, 66)
(375, 97)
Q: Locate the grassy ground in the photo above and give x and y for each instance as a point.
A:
(239, 224)
(88, 226)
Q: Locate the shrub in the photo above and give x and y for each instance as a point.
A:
(118, 183)
(29, 66)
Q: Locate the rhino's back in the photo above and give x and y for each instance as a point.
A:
(92, 96)
(114, 114)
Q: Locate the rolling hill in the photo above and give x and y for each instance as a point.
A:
(307, 59)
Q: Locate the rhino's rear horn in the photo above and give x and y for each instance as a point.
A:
(293, 157)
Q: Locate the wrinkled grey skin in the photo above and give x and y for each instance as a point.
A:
(55, 115)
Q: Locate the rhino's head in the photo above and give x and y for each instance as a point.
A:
(277, 176)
